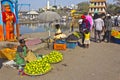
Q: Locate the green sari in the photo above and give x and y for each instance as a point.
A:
(19, 60)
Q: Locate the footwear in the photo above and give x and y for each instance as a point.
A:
(102, 40)
(108, 41)
(99, 41)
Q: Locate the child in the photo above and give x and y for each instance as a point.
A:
(87, 38)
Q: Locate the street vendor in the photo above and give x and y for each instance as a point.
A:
(59, 34)
(21, 53)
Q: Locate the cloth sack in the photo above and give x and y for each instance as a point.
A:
(30, 57)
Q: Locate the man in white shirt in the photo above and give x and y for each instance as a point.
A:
(98, 24)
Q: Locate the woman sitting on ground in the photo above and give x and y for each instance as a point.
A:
(21, 53)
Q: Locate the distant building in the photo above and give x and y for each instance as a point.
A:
(28, 14)
(97, 6)
(32, 14)
(22, 15)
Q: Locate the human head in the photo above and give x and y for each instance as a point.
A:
(95, 16)
(86, 31)
(22, 42)
(83, 17)
(57, 26)
(109, 17)
(7, 7)
(107, 14)
(90, 14)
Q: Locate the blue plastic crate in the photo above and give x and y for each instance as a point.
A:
(71, 45)
(60, 41)
(115, 40)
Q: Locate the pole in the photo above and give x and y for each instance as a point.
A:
(17, 21)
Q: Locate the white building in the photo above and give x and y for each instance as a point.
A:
(32, 14)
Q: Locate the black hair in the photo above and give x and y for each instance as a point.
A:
(20, 34)
(22, 41)
(57, 26)
(109, 17)
(87, 31)
(95, 16)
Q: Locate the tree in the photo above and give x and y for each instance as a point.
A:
(117, 2)
(83, 7)
(113, 8)
(117, 9)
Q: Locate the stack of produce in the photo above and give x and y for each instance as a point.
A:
(42, 65)
(53, 57)
(77, 34)
(74, 36)
(59, 36)
(115, 34)
(37, 67)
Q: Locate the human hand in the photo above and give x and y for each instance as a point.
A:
(11, 17)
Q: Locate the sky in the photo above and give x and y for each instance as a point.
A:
(36, 4)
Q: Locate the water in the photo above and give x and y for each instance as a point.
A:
(41, 27)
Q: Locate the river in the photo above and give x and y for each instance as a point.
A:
(41, 27)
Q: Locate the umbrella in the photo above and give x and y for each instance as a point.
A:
(48, 17)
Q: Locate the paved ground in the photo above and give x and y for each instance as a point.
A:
(99, 62)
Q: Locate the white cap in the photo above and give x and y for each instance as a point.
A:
(108, 15)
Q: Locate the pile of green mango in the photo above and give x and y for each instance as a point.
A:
(53, 57)
(37, 67)
(43, 65)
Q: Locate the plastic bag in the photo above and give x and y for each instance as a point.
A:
(8, 53)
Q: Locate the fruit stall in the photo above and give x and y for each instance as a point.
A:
(70, 42)
(41, 64)
(37, 64)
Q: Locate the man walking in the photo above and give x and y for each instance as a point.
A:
(98, 24)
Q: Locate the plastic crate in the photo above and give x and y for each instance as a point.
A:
(115, 40)
(59, 46)
(71, 45)
(60, 41)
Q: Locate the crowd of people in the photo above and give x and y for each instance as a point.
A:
(99, 24)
